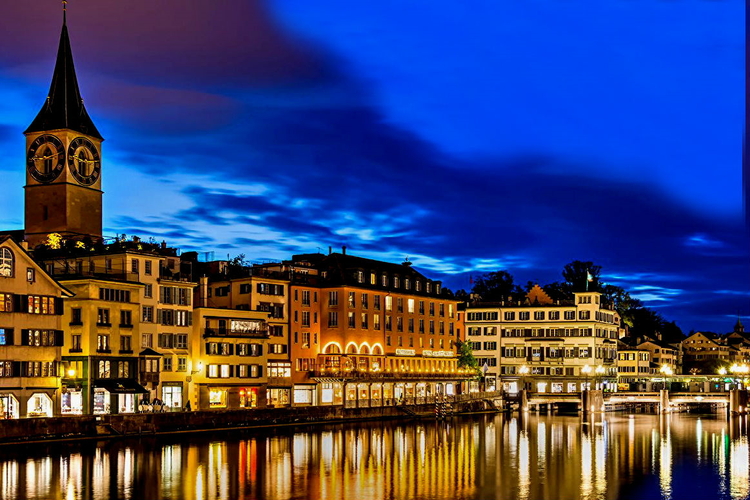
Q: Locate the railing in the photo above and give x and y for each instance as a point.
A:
(216, 332)
(420, 400)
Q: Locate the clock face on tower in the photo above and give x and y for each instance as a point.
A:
(83, 160)
(46, 158)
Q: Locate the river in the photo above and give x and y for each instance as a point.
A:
(487, 456)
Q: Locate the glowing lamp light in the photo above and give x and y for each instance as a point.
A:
(666, 370)
(722, 371)
(586, 369)
(71, 373)
(523, 370)
(599, 369)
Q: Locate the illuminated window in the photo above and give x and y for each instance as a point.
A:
(6, 263)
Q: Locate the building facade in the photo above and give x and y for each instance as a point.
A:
(543, 345)
(31, 335)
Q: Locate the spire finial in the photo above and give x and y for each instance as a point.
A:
(65, 10)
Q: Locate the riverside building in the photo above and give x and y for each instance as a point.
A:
(543, 345)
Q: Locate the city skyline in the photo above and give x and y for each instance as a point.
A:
(279, 128)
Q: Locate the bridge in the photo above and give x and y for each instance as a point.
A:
(668, 394)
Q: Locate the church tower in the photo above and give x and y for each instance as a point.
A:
(63, 161)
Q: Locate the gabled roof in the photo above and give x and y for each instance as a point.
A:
(64, 107)
(39, 270)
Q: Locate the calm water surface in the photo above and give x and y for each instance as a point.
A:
(614, 456)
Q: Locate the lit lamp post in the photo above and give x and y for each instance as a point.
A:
(599, 373)
(738, 371)
(586, 370)
(523, 371)
(667, 371)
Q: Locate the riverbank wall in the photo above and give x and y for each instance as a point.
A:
(144, 424)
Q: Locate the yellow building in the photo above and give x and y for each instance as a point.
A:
(258, 288)
(31, 336)
(101, 333)
(161, 310)
(550, 347)
(231, 355)
(633, 363)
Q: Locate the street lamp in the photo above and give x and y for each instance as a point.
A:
(666, 370)
(586, 370)
(71, 373)
(523, 371)
(599, 372)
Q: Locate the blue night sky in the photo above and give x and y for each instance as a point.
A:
(468, 136)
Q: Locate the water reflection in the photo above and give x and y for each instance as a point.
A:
(533, 457)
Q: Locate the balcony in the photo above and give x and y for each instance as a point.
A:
(221, 332)
(146, 377)
(386, 376)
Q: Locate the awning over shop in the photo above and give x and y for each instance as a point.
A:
(121, 386)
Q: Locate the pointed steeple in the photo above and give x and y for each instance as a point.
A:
(64, 106)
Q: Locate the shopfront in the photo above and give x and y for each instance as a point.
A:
(72, 402)
(9, 407)
(171, 395)
(249, 397)
(117, 396)
(304, 395)
(39, 405)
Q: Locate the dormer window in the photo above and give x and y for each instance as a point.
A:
(427, 287)
(437, 288)
(360, 277)
(418, 286)
(407, 284)
(395, 282)
(384, 280)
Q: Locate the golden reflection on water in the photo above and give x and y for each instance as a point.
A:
(527, 457)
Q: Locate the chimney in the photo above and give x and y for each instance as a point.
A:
(343, 250)
(203, 283)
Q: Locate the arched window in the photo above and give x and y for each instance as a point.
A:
(332, 349)
(6, 263)
(377, 350)
(364, 349)
(351, 348)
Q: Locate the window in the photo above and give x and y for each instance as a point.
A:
(148, 314)
(410, 305)
(584, 314)
(270, 289)
(376, 322)
(399, 324)
(364, 301)
(539, 315)
(75, 345)
(147, 266)
(222, 291)
(388, 303)
(510, 315)
(148, 290)
(388, 324)
(102, 343)
(37, 304)
(421, 326)
(167, 366)
(524, 315)
(376, 302)
(305, 339)
(363, 320)
(351, 319)
(352, 299)
(105, 368)
(30, 274)
(432, 309)
(134, 266)
(4, 337)
(305, 297)
(360, 277)
(114, 295)
(181, 364)
(333, 319)
(102, 317)
(333, 298)
(305, 318)
(126, 318)
(166, 317)
(6, 263)
(183, 318)
(279, 369)
(421, 307)
(75, 316)
(411, 325)
(126, 343)
(180, 341)
(147, 340)
(554, 315)
(570, 315)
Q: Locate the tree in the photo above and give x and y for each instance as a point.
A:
(495, 286)
(466, 357)
(237, 266)
(582, 276)
(461, 295)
